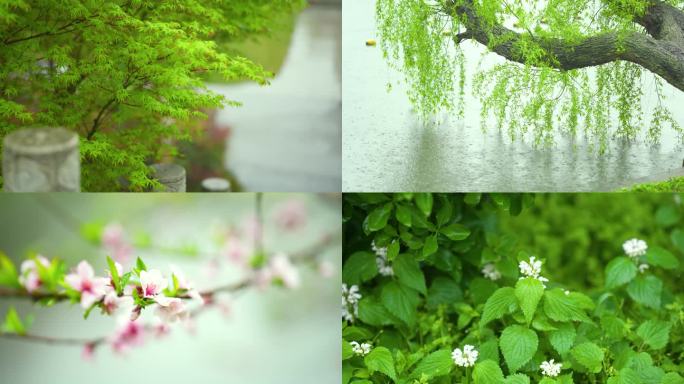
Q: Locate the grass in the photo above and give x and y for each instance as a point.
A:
(675, 184)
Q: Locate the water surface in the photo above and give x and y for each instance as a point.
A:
(286, 136)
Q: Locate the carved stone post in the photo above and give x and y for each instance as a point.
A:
(172, 176)
(41, 160)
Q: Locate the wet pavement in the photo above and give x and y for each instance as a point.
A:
(385, 147)
(287, 136)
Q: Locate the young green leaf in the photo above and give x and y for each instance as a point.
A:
(140, 265)
(116, 279)
(518, 344)
(529, 291)
(8, 273)
(13, 323)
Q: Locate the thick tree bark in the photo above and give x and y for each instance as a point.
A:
(660, 50)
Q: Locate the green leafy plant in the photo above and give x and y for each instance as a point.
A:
(444, 288)
(127, 76)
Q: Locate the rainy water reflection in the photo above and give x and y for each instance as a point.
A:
(286, 137)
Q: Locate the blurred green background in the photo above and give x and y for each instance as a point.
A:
(276, 336)
(578, 234)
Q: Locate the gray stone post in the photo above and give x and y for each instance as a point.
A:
(41, 160)
(172, 176)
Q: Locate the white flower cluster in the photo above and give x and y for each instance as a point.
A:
(489, 271)
(465, 357)
(381, 260)
(532, 268)
(361, 349)
(643, 267)
(635, 248)
(350, 302)
(550, 369)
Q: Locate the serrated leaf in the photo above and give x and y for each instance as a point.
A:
(563, 338)
(625, 376)
(528, 291)
(655, 333)
(661, 257)
(646, 290)
(438, 363)
(443, 290)
(518, 378)
(518, 345)
(380, 360)
(589, 355)
(619, 271)
(487, 372)
(455, 232)
(373, 312)
(378, 218)
(498, 304)
(561, 307)
(400, 301)
(672, 378)
(408, 272)
(359, 267)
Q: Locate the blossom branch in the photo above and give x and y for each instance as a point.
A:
(304, 256)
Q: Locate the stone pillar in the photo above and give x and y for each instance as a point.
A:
(171, 176)
(41, 160)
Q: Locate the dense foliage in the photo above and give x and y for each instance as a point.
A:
(569, 66)
(125, 74)
(428, 274)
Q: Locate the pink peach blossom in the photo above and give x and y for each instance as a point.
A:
(92, 288)
(128, 334)
(171, 309)
(152, 283)
(291, 215)
(29, 278)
